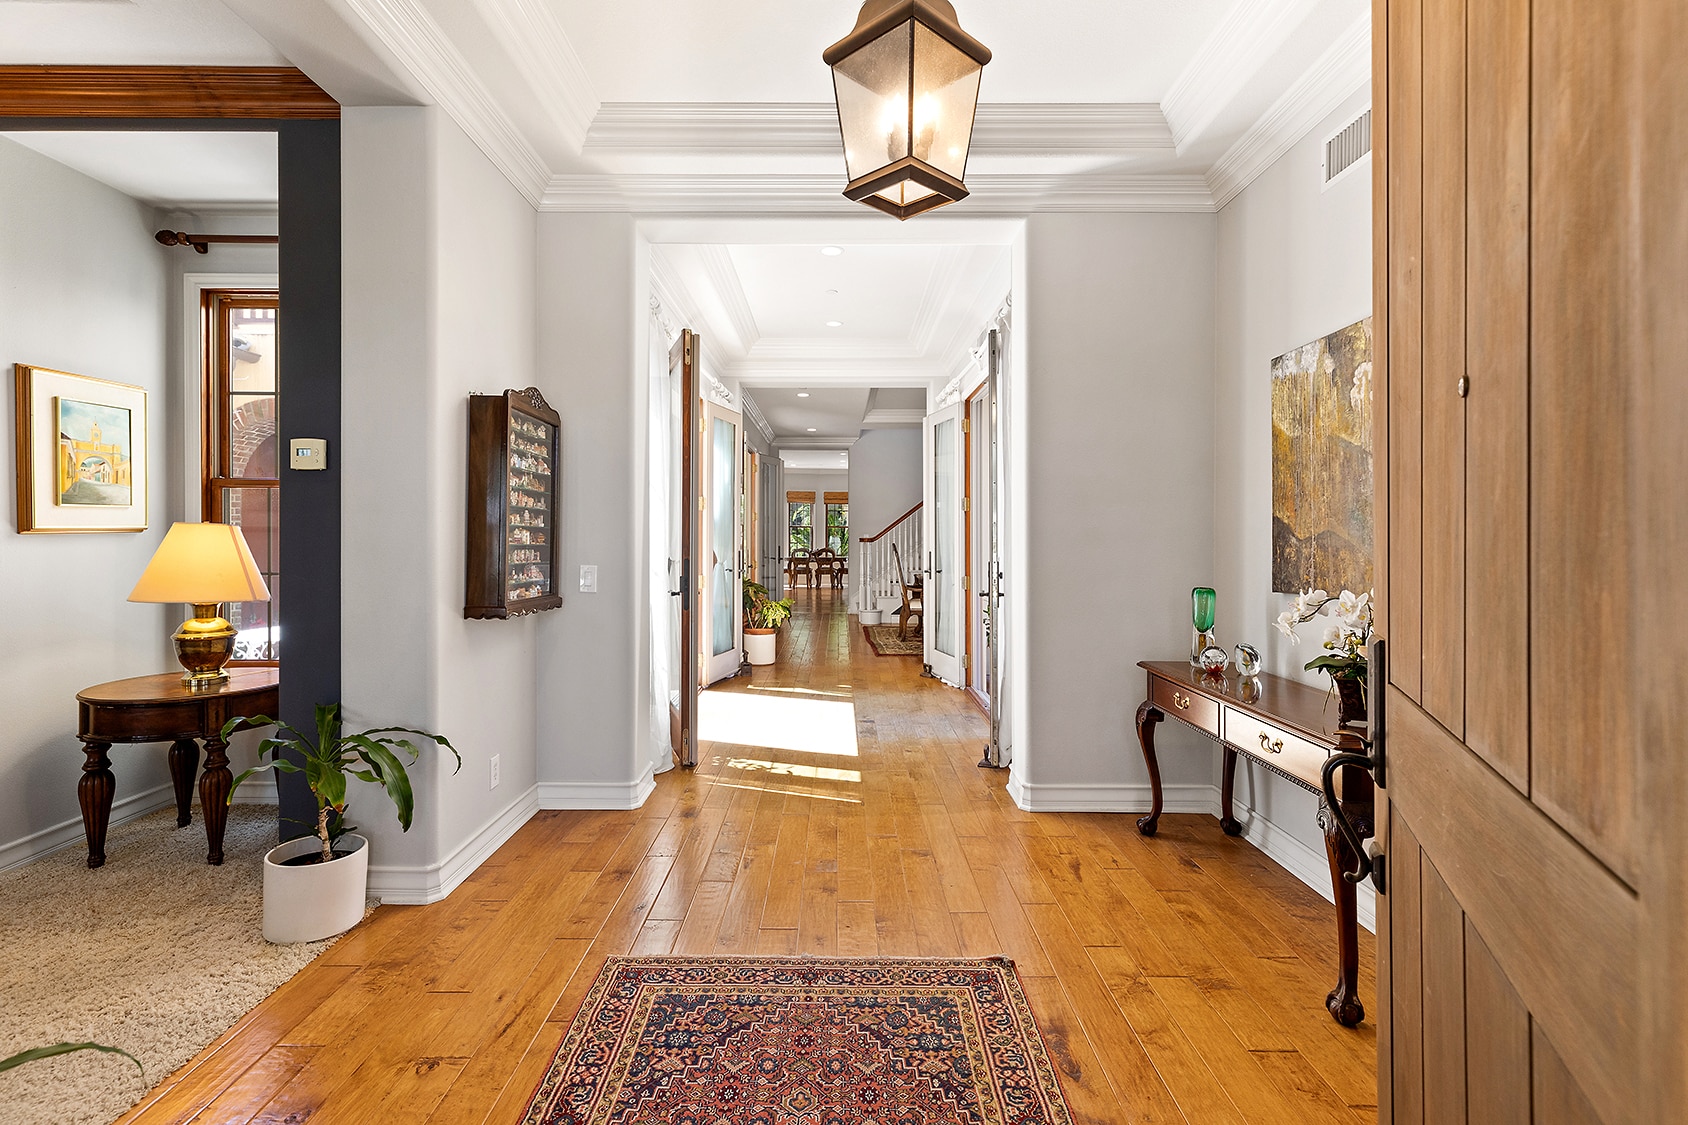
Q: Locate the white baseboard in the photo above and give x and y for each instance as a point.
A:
(597, 794)
(1112, 798)
(49, 840)
(420, 885)
(1283, 848)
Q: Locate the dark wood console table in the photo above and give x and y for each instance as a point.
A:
(161, 709)
(1290, 728)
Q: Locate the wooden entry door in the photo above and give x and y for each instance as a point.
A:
(683, 359)
(1532, 517)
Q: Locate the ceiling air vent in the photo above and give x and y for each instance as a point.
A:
(1347, 148)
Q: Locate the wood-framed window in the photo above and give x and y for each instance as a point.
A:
(800, 522)
(838, 521)
(242, 451)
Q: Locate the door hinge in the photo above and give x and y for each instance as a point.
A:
(967, 503)
(966, 425)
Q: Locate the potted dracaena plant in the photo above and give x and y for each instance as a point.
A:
(762, 618)
(314, 886)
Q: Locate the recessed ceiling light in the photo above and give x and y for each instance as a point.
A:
(835, 324)
(832, 292)
(811, 429)
(832, 251)
(802, 394)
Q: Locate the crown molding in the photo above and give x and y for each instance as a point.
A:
(811, 128)
(531, 35)
(754, 413)
(406, 29)
(787, 349)
(725, 282)
(1242, 43)
(841, 370)
(819, 195)
(1341, 72)
(818, 441)
(887, 418)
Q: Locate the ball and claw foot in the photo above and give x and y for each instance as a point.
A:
(1345, 1007)
(1230, 826)
(1147, 824)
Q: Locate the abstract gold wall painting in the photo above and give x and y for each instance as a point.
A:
(1322, 463)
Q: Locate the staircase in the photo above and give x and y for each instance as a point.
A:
(877, 571)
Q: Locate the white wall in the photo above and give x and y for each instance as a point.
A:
(1114, 522)
(593, 654)
(437, 307)
(884, 483)
(1294, 264)
(83, 288)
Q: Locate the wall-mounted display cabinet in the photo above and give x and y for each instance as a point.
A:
(514, 447)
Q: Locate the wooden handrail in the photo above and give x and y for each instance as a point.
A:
(894, 524)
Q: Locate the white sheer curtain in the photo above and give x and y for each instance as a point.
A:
(664, 539)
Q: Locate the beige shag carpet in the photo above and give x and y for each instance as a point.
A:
(157, 952)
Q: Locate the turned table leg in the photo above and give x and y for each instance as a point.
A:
(94, 792)
(1228, 784)
(1147, 716)
(184, 763)
(214, 786)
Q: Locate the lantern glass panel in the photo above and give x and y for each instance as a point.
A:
(872, 90)
(904, 192)
(946, 84)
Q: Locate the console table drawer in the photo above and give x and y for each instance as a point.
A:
(1290, 753)
(1182, 703)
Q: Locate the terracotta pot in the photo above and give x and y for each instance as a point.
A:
(759, 645)
(318, 900)
(1351, 701)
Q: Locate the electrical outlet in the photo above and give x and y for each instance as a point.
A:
(493, 772)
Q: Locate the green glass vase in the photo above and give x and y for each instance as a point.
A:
(1202, 600)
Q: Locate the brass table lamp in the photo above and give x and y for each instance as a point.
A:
(202, 565)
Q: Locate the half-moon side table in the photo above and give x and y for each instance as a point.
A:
(162, 709)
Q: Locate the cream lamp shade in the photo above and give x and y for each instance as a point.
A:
(201, 564)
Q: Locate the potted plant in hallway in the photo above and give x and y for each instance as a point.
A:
(762, 618)
(314, 886)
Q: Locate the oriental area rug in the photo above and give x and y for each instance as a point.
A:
(885, 641)
(801, 1041)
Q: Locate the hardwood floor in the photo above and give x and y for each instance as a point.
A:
(1179, 979)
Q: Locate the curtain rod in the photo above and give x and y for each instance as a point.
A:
(201, 243)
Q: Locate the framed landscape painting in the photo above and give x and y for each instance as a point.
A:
(82, 452)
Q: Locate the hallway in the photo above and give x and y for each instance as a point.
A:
(1175, 979)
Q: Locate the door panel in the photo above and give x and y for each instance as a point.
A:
(1442, 931)
(688, 488)
(1497, 1039)
(1443, 545)
(1403, 417)
(1578, 439)
(1497, 454)
(941, 510)
(1405, 1014)
(723, 623)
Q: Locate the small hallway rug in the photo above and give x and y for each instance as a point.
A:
(885, 641)
(157, 952)
(801, 1041)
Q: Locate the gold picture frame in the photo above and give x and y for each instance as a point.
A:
(82, 453)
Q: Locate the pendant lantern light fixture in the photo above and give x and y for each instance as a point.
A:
(907, 84)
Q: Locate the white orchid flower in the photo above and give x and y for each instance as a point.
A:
(1334, 635)
(1286, 625)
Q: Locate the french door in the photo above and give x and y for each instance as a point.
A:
(1531, 512)
(722, 544)
(943, 622)
(686, 488)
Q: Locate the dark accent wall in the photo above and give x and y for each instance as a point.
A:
(309, 216)
(309, 157)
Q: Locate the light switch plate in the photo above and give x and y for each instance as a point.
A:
(493, 772)
(308, 453)
(588, 579)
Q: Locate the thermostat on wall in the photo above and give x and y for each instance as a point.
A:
(308, 453)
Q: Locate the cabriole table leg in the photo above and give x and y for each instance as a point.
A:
(1147, 716)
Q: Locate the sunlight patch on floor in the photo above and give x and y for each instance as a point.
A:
(810, 726)
(791, 769)
(843, 694)
(805, 793)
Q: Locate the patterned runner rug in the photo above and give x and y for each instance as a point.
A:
(884, 640)
(801, 1041)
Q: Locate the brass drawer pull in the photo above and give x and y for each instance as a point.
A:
(1271, 745)
(1182, 702)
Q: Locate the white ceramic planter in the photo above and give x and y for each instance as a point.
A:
(318, 900)
(871, 616)
(759, 646)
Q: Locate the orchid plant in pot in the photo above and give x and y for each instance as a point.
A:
(1347, 633)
